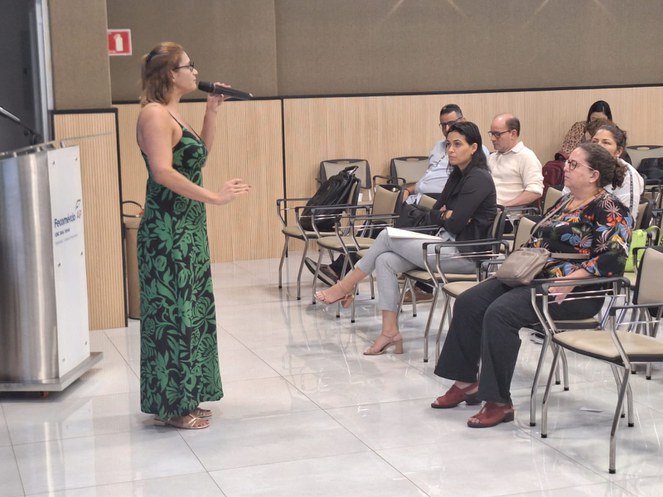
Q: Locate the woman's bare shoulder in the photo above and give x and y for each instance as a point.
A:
(153, 110)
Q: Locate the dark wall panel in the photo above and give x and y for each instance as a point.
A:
(316, 47)
(81, 77)
(346, 46)
(230, 41)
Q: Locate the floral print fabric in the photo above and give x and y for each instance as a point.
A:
(600, 229)
(179, 364)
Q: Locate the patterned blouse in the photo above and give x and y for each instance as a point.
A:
(601, 229)
(574, 137)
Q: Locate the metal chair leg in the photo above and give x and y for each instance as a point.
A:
(430, 319)
(283, 255)
(546, 394)
(535, 381)
(565, 371)
(615, 421)
(301, 268)
(446, 311)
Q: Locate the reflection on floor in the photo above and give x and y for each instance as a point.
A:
(306, 414)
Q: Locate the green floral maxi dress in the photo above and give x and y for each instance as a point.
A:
(179, 362)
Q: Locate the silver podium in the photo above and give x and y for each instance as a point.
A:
(44, 328)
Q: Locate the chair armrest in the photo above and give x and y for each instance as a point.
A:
(541, 290)
(522, 210)
(390, 180)
(326, 212)
(492, 249)
(282, 206)
(546, 284)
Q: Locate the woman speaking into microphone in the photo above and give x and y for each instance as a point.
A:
(179, 363)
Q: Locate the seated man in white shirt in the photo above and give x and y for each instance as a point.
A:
(515, 168)
(435, 177)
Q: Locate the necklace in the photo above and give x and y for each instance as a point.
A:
(575, 204)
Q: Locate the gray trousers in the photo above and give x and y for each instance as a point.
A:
(389, 257)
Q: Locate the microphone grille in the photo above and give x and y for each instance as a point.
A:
(205, 86)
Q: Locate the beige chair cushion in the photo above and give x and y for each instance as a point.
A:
(599, 344)
(333, 243)
(427, 202)
(295, 232)
(424, 276)
(455, 288)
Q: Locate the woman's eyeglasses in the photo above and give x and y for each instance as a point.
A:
(190, 66)
(573, 164)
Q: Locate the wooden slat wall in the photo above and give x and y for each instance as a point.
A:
(101, 200)
(248, 144)
(376, 128)
(379, 128)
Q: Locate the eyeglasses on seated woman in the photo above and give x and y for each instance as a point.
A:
(481, 348)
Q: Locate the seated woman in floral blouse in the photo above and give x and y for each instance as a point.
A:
(486, 319)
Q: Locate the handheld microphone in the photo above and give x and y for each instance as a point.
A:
(9, 116)
(208, 87)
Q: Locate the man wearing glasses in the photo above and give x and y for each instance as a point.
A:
(431, 183)
(515, 168)
(436, 176)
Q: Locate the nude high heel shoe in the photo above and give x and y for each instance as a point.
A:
(383, 342)
(346, 300)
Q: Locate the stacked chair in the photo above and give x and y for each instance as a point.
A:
(356, 229)
(330, 167)
(290, 212)
(405, 170)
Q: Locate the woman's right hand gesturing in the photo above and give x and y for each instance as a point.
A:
(231, 189)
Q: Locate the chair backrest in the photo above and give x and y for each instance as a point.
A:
(387, 200)
(648, 288)
(523, 232)
(331, 167)
(426, 202)
(645, 209)
(552, 196)
(410, 168)
(639, 152)
(498, 223)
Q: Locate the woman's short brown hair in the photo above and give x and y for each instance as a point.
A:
(155, 71)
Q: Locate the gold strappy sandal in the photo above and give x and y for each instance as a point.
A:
(188, 422)
(199, 412)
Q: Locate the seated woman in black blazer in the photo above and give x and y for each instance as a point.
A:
(465, 211)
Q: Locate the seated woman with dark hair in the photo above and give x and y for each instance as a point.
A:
(465, 211)
(576, 135)
(613, 139)
(487, 318)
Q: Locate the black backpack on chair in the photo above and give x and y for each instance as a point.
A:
(340, 189)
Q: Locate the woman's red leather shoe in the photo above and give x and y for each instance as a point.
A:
(455, 396)
(491, 414)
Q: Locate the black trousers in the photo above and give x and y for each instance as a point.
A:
(484, 330)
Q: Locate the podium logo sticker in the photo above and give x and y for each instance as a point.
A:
(62, 226)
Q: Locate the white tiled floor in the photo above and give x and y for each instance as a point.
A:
(306, 414)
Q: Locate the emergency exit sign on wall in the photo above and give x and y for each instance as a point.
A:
(119, 42)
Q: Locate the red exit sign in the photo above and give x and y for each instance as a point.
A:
(119, 42)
